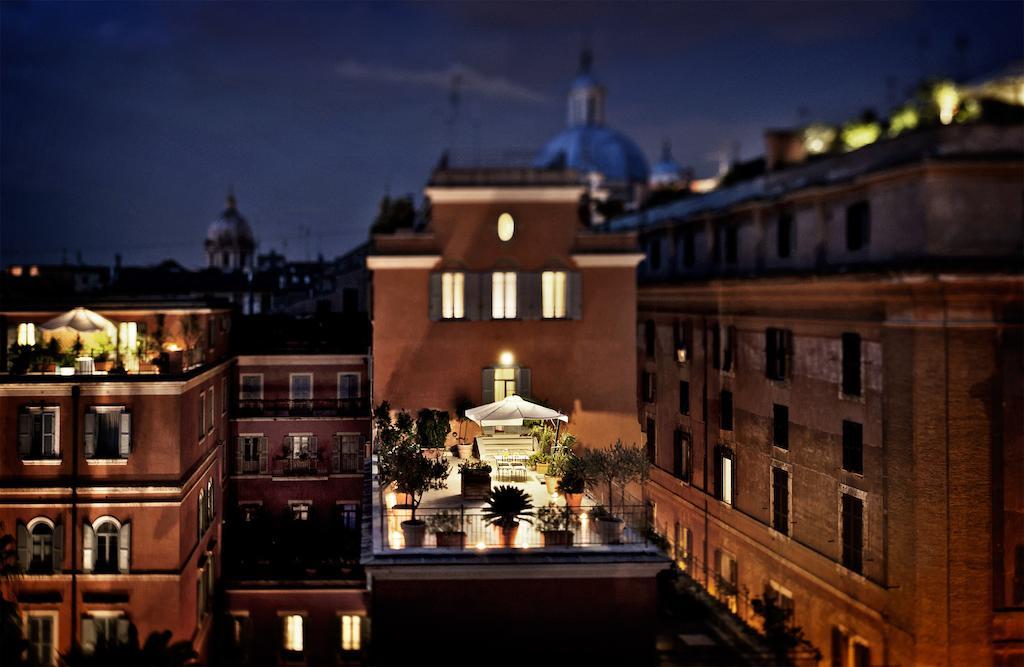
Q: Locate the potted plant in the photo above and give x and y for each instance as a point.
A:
(556, 469)
(539, 461)
(554, 523)
(476, 480)
(506, 507)
(617, 465)
(447, 529)
(573, 482)
(400, 462)
(432, 429)
(464, 449)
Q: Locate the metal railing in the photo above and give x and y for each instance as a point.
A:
(585, 528)
(319, 407)
(298, 466)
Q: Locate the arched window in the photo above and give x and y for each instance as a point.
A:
(106, 546)
(42, 547)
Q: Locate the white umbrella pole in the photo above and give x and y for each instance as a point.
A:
(558, 429)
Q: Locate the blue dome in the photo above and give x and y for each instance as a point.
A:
(666, 168)
(595, 148)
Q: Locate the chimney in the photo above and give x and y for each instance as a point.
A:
(783, 148)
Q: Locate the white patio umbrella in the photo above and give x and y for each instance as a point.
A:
(81, 320)
(511, 411)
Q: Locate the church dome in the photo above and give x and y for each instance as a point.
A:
(666, 171)
(589, 148)
(230, 229)
(588, 145)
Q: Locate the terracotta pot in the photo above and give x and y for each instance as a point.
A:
(453, 540)
(465, 450)
(509, 534)
(557, 538)
(414, 532)
(573, 500)
(104, 365)
(551, 483)
(610, 530)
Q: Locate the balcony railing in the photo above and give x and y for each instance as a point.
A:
(587, 531)
(299, 466)
(319, 407)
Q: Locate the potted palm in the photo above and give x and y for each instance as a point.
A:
(573, 482)
(554, 523)
(447, 529)
(476, 480)
(506, 507)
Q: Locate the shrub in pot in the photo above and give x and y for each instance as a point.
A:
(432, 429)
(539, 461)
(555, 525)
(476, 480)
(573, 482)
(447, 529)
(556, 469)
(617, 465)
(506, 507)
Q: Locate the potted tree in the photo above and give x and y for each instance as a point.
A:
(506, 507)
(400, 462)
(447, 529)
(554, 523)
(617, 465)
(556, 469)
(476, 480)
(432, 428)
(573, 482)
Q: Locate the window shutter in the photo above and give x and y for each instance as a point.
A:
(124, 443)
(88, 634)
(58, 547)
(336, 454)
(124, 543)
(488, 385)
(435, 296)
(471, 296)
(239, 455)
(734, 488)
(90, 434)
(528, 296)
(575, 296)
(49, 442)
(788, 356)
(24, 541)
(312, 447)
(486, 292)
(88, 547)
(24, 433)
(122, 630)
(264, 458)
(523, 381)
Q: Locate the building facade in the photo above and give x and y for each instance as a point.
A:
(830, 387)
(112, 482)
(506, 291)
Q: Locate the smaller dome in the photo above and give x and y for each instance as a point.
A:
(230, 229)
(666, 170)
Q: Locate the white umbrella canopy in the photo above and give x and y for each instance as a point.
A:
(511, 411)
(81, 320)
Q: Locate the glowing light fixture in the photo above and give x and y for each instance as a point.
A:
(506, 358)
(506, 227)
(903, 120)
(480, 546)
(947, 99)
(818, 138)
(172, 347)
(859, 134)
(16, 271)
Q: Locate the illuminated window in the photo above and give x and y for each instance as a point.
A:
(127, 335)
(26, 333)
(452, 295)
(300, 446)
(300, 511)
(504, 382)
(16, 271)
(351, 628)
(506, 227)
(503, 295)
(293, 633)
(553, 287)
(724, 475)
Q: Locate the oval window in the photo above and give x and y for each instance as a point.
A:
(506, 227)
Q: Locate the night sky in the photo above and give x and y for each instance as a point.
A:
(123, 125)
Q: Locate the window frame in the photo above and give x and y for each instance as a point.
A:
(453, 295)
(54, 616)
(504, 295)
(41, 458)
(242, 397)
(291, 387)
(861, 497)
(785, 469)
(559, 286)
(359, 384)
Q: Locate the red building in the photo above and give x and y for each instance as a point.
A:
(111, 480)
